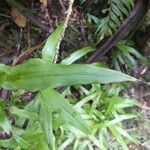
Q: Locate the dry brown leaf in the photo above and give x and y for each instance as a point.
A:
(44, 2)
(18, 18)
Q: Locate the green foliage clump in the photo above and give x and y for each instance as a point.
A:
(124, 54)
(49, 120)
(115, 13)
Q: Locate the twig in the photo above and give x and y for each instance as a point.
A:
(62, 5)
(25, 54)
(6, 16)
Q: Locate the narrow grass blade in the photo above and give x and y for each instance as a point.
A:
(77, 55)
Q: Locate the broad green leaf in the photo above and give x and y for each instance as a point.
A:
(4, 68)
(37, 74)
(50, 48)
(76, 55)
(46, 121)
(4, 122)
(56, 102)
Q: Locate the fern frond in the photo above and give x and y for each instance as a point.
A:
(124, 53)
(117, 10)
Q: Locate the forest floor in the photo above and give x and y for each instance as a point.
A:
(19, 37)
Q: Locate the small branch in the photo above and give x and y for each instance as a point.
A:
(24, 55)
(3, 15)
